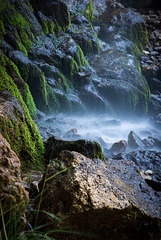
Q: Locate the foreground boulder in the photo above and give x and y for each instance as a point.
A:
(107, 200)
(13, 196)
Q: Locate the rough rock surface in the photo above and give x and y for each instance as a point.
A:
(149, 163)
(96, 194)
(134, 141)
(17, 127)
(90, 149)
(12, 191)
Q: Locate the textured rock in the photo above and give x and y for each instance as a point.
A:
(97, 195)
(20, 131)
(134, 141)
(12, 191)
(119, 147)
(149, 163)
(90, 149)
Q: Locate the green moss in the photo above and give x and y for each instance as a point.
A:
(22, 132)
(90, 149)
(25, 41)
(135, 101)
(89, 12)
(79, 57)
(138, 34)
(53, 102)
(2, 30)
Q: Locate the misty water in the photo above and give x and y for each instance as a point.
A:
(102, 129)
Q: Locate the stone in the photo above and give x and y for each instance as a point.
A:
(96, 197)
(134, 141)
(53, 147)
(20, 131)
(119, 147)
(12, 192)
(149, 163)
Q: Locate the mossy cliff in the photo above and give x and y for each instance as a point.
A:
(45, 51)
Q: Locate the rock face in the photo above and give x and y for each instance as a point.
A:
(97, 196)
(12, 191)
(55, 62)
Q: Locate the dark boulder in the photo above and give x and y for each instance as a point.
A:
(53, 147)
(134, 141)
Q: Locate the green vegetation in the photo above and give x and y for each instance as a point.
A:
(20, 130)
(89, 12)
(90, 149)
(138, 34)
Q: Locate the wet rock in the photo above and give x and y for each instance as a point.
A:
(97, 195)
(33, 76)
(90, 149)
(79, 19)
(134, 141)
(12, 192)
(40, 115)
(121, 84)
(86, 38)
(149, 163)
(155, 85)
(119, 147)
(122, 23)
(156, 140)
(72, 134)
(148, 143)
(56, 10)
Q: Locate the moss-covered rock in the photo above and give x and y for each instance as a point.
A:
(90, 149)
(56, 10)
(89, 12)
(20, 131)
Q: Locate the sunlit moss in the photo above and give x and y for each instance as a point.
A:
(23, 137)
(89, 12)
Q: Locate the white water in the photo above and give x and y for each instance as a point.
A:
(104, 130)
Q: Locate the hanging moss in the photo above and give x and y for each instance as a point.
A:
(13, 71)
(138, 35)
(79, 57)
(2, 30)
(22, 133)
(89, 12)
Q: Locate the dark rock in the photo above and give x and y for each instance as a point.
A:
(79, 19)
(149, 163)
(72, 134)
(56, 10)
(123, 85)
(98, 197)
(34, 78)
(155, 85)
(53, 147)
(134, 141)
(148, 143)
(156, 140)
(119, 147)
